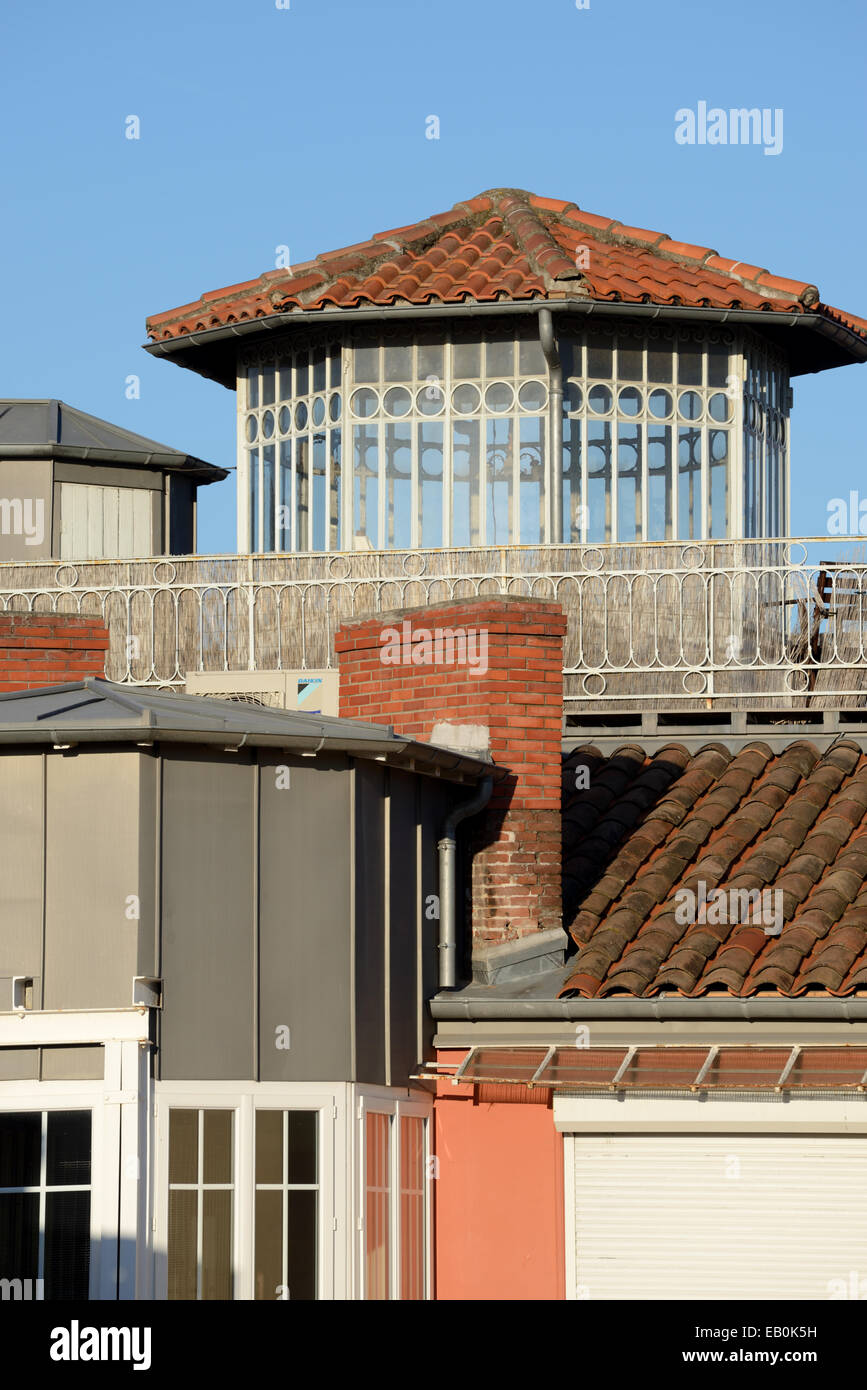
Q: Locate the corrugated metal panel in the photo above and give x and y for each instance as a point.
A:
(720, 1216)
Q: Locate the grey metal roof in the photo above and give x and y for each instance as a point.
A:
(52, 429)
(98, 711)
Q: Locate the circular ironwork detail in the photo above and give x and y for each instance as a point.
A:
(164, 564)
(694, 683)
(66, 583)
(599, 689)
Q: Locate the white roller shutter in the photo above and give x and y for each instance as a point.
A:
(687, 1216)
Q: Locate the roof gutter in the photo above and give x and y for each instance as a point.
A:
(451, 1008)
(275, 323)
(76, 453)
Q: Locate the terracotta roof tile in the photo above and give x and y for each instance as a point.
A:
(531, 243)
(648, 827)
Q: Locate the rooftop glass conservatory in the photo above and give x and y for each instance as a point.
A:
(390, 439)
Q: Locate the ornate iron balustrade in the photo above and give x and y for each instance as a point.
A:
(737, 622)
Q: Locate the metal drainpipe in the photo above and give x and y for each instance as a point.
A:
(448, 907)
(555, 401)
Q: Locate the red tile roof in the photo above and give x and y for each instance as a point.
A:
(649, 826)
(505, 245)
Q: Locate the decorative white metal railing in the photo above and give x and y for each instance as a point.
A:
(735, 622)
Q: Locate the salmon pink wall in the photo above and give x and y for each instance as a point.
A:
(499, 1194)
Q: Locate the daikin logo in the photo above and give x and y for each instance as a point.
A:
(439, 646)
(738, 126)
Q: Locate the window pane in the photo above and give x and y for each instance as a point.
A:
(319, 494)
(689, 365)
(67, 1245)
(269, 385)
(377, 1200)
(430, 451)
(659, 364)
(465, 488)
(301, 1242)
(598, 481)
(398, 496)
(412, 1233)
(183, 1146)
(466, 360)
(499, 357)
(284, 520)
(398, 363)
(181, 1258)
(430, 361)
(572, 513)
(630, 366)
(628, 482)
(217, 1165)
(366, 364)
(500, 471)
(599, 357)
(68, 1149)
(366, 470)
(531, 358)
(253, 464)
(659, 483)
(216, 1245)
(269, 1146)
(302, 493)
(719, 492)
(268, 500)
(302, 374)
(252, 388)
(717, 366)
(269, 1240)
(689, 520)
(303, 1166)
(319, 369)
(20, 1149)
(19, 1234)
(336, 514)
(532, 465)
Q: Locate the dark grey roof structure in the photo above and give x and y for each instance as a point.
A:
(98, 711)
(50, 429)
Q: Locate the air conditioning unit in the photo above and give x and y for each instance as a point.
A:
(315, 692)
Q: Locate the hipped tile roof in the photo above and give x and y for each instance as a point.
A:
(648, 826)
(505, 245)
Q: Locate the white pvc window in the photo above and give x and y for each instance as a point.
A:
(287, 1204)
(45, 1204)
(201, 1204)
(395, 1208)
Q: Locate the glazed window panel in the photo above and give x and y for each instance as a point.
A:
(45, 1201)
(689, 483)
(430, 457)
(500, 478)
(532, 481)
(573, 513)
(286, 1215)
(377, 1206)
(412, 1207)
(200, 1247)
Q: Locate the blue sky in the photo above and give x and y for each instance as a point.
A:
(306, 126)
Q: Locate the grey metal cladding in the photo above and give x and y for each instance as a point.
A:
(21, 879)
(304, 918)
(207, 917)
(435, 803)
(403, 915)
(370, 923)
(92, 879)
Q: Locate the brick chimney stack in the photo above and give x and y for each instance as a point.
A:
(38, 649)
(482, 674)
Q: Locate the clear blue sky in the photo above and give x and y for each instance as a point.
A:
(306, 126)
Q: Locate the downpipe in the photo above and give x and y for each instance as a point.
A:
(447, 848)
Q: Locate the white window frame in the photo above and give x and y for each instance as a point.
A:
(244, 1098)
(381, 1101)
(40, 1097)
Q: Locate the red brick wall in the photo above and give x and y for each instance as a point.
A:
(519, 699)
(39, 649)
